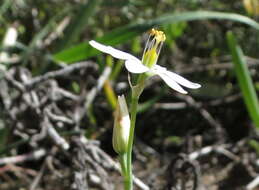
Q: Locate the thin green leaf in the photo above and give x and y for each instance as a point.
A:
(122, 34)
(79, 22)
(3, 133)
(42, 34)
(149, 103)
(244, 79)
(4, 7)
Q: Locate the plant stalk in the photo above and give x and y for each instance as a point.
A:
(133, 111)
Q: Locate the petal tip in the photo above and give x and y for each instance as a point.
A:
(196, 85)
(182, 91)
(92, 42)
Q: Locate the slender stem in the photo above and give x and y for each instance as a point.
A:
(133, 112)
(123, 163)
(135, 93)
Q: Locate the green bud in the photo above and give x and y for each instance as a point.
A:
(121, 129)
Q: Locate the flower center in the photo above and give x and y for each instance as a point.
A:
(153, 47)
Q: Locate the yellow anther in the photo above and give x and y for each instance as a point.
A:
(158, 35)
(153, 47)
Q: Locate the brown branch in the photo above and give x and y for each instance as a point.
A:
(59, 73)
(24, 157)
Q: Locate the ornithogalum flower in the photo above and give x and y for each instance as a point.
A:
(121, 128)
(148, 63)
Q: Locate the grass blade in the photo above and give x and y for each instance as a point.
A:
(3, 8)
(78, 23)
(126, 33)
(244, 79)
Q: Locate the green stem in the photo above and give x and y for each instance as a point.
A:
(133, 111)
(135, 94)
(123, 163)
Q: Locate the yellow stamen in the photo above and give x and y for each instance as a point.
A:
(158, 35)
(153, 47)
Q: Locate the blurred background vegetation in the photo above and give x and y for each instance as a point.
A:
(51, 35)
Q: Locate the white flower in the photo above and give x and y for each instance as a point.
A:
(148, 63)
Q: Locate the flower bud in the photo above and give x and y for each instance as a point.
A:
(121, 129)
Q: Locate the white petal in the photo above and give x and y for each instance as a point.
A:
(135, 66)
(159, 69)
(182, 81)
(177, 78)
(112, 51)
(171, 83)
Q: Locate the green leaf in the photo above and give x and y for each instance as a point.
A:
(78, 23)
(143, 107)
(3, 8)
(40, 35)
(125, 33)
(3, 134)
(255, 145)
(244, 79)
